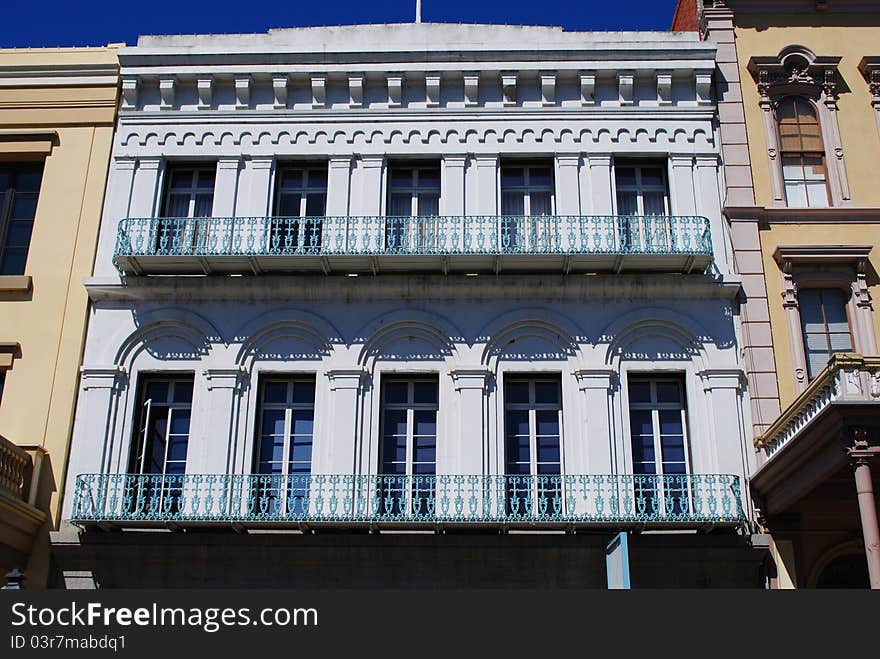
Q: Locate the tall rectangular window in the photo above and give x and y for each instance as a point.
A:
(527, 207)
(658, 435)
(300, 205)
(408, 451)
(189, 194)
(802, 152)
(825, 326)
(642, 194)
(159, 448)
(19, 192)
(413, 206)
(532, 437)
(284, 445)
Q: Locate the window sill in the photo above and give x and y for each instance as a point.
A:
(15, 283)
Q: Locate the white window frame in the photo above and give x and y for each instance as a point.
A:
(535, 231)
(304, 190)
(421, 230)
(194, 190)
(411, 407)
(640, 188)
(532, 407)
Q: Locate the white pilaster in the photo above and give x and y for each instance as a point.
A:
(226, 187)
(470, 384)
(487, 184)
(338, 186)
(340, 453)
(601, 187)
(452, 194)
(599, 455)
(212, 450)
(568, 194)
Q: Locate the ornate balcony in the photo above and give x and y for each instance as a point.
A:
(465, 244)
(571, 501)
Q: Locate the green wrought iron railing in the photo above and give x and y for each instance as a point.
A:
(569, 499)
(422, 235)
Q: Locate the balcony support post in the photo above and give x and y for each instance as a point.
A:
(860, 453)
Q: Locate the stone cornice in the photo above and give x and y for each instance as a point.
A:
(415, 287)
(59, 75)
(840, 215)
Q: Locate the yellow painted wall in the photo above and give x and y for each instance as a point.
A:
(49, 323)
(849, 36)
(799, 234)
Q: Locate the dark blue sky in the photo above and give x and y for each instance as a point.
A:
(98, 22)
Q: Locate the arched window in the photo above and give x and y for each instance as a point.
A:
(802, 153)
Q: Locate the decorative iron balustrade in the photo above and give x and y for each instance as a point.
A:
(519, 500)
(421, 235)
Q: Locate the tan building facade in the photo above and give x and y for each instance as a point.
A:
(798, 86)
(57, 111)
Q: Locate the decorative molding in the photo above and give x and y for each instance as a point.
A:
(319, 90)
(166, 93)
(869, 66)
(548, 89)
(9, 350)
(432, 89)
(470, 377)
(355, 378)
(625, 84)
(595, 378)
(395, 89)
(242, 92)
(103, 377)
(205, 88)
(355, 90)
(471, 89)
(703, 87)
(695, 135)
(588, 88)
(664, 87)
(129, 92)
(279, 91)
(508, 89)
(224, 378)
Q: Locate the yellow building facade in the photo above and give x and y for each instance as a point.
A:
(798, 86)
(57, 112)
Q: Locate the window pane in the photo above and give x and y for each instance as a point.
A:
(301, 450)
(288, 205)
(424, 450)
(395, 423)
(429, 177)
(401, 176)
(396, 392)
(540, 203)
(652, 176)
(157, 391)
(24, 205)
(518, 449)
(14, 261)
(303, 393)
(272, 447)
(540, 176)
(27, 178)
(275, 392)
(425, 392)
(670, 422)
(181, 178)
(317, 178)
(177, 448)
(655, 203)
(517, 423)
(206, 178)
(429, 204)
(315, 204)
(547, 392)
(517, 392)
(303, 422)
(548, 449)
(817, 194)
(18, 233)
(291, 178)
(840, 342)
(179, 422)
(183, 392)
(641, 423)
(547, 422)
(639, 392)
(668, 392)
(512, 176)
(394, 450)
(627, 202)
(425, 422)
(400, 204)
(512, 203)
(273, 422)
(625, 176)
(796, 194)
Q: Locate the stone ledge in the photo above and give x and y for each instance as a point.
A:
(15, 283)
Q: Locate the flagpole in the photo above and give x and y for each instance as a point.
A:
(418, 11)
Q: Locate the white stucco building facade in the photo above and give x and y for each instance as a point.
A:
(423, 278)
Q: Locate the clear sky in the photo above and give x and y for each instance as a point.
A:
(98, 22)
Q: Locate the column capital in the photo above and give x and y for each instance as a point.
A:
(599, 159)
(103, 377)
(148, 162)
(262, 162)
(347, 378)
(228, 162)
(681, 159)
(340, 162)
(372, 160)
(126, 163)
(707, 160)
(486, 160)
(455, 159)
(722, 378)
(595, 378)
(470, 377)
(224, 378)
(568, 159)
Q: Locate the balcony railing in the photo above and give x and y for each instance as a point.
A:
(665, 501)
(849, 378)
(457, 243)
(16, 470)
